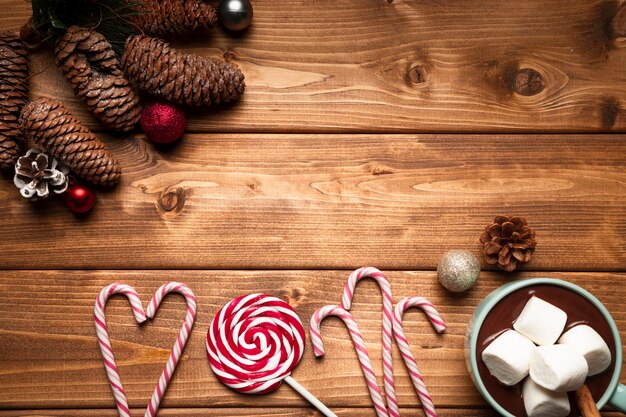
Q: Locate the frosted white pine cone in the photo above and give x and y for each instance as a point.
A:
(37, 173)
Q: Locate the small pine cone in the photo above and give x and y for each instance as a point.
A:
(88, 62)
(13, 96)
(180, 78)
(507, 242)
(36, 174)
(174, 17)
(50, 125)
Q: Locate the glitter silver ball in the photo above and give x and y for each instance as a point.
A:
(458, 270)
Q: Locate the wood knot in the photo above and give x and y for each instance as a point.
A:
(416, 74)
(254, 187)
(293, 296)
(381, 171)
(609, 110)
(527, 82)
(172, 202)
(228, 56)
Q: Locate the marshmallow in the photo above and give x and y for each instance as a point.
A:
(591, 345)
(558, 367)
(508, 356)
(540, 321)
(540, 402)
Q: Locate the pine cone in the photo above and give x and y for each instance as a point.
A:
(174, 17)
(180, 78)
(507, 242)
(50, 125)
(88, 62)
(36, 173)
(13, 96)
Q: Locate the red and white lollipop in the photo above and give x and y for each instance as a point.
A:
(253, 344)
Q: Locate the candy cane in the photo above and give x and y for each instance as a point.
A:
(140, 317)
(359, 345)
(181, 340)
(105, 343)
(405, 350)
(346, 301)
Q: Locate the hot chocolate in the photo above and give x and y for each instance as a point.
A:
(501, 317)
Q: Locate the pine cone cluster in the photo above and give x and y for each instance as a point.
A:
(50, 125)
(88, 62)
(13, 96)
(174, 17)
(180, 78)
(508, 242)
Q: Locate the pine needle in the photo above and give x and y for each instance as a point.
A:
(109, 17)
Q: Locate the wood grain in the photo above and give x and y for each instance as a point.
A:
(332, 201)
(269, 195)
(50, 357)
(370, 66)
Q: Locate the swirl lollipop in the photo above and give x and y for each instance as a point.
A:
(254, 342)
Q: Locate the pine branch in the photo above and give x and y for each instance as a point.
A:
(111, 18)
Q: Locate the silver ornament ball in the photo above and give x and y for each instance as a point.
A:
(458, 270)
(235, 14)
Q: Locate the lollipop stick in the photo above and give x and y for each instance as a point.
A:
(306, 394)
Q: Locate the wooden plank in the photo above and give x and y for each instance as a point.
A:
(50, 357)
(332, 201)
(232, 412)
(239, 412)
(248, 411)
(369, 66)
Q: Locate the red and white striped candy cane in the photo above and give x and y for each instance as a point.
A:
(181, 340)
(105, 343)
(405, 350)
(140, 317)
(346, 302)
(359, 345)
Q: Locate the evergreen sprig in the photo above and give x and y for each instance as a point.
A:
(109, 17)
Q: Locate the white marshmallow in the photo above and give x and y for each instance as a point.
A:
(558, 368)
(508, 357)
(541, 321)
(591, 345)
(540, 402)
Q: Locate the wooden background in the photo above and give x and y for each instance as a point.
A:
(370, 134)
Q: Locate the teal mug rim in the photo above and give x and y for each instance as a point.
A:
(507, 289)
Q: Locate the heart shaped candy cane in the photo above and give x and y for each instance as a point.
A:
(140, 317)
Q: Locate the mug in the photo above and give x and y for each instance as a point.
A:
(615, 395)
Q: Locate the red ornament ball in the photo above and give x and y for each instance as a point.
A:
(162, 122)
(79, 198)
